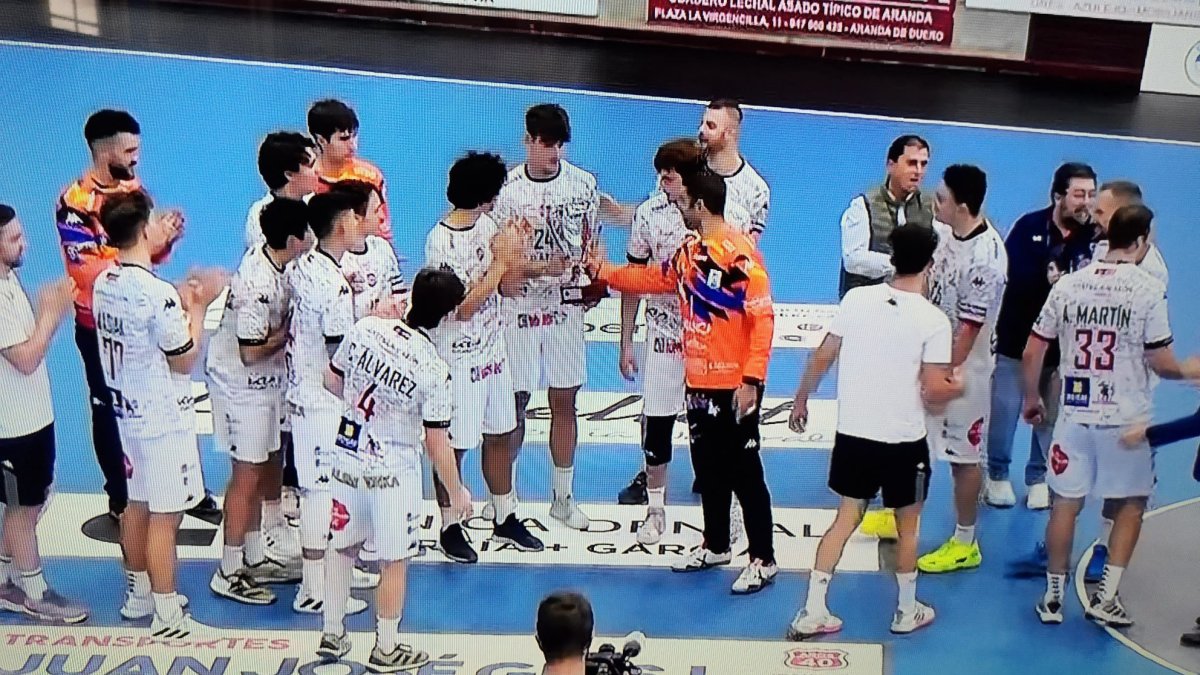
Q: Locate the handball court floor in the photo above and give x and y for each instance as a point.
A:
(202, 117)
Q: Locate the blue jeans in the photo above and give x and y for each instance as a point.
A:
(1007, 396)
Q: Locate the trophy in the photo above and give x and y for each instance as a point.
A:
(579, 289)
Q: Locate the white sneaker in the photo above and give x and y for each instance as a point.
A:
(489, 512)
(282, 543)
(737, 524)
(806, 625)
(289, 505)
(652, 528)
(307, 603)
(141, 607)
(567, 512)
(999, 493)
(175, 629)
(906, 622)
(362, 579)
(701, 559)
(755, 577)
(1039, 497)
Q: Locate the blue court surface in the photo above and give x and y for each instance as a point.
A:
(202, 120)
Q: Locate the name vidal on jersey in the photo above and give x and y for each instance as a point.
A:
(383, 374)
(1116, 316)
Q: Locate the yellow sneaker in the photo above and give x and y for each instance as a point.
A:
(950, 557)
(881, 523)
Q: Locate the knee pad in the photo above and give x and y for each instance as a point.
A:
(656, 439)
(315, 510)
(522, 403)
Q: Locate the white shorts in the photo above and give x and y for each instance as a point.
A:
(247, 431)
(959, 434)
(549, 344)
(484, 403)
(1091, 460)
(382, 506)
(164, 472)
(314, 431)
(662, 377)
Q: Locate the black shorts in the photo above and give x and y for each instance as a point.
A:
(27, 467)
(861, 468)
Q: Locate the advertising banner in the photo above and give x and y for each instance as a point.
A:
(1173, 61)
(1178, 12)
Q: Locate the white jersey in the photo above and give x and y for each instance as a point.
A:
(467, 253)
(748, 190)
(257, 305)
(967, 282)
(373, 274)
(254, 233)
(139, 323)
(1152, 263)
(563, 212)
(1105, 318)
(394, 383)
(322, 314)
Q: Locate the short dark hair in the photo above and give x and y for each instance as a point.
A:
(549, 123)
(283, 218)
(1123, 189)
(1064, 174)
(108, 123)
(896, 149)
(327, 117)
(7, 214)
(678, 153)
(435, 293)
(702, 183)
(912, 248)
(968, 184)
(475, 180)
(565, 624)
(324, 208)
(124, 215)
(281, 153)
(727, 104)
(1127, 224)
(360, 190)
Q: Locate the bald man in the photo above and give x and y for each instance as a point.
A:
(720, 138)
(1112, 196)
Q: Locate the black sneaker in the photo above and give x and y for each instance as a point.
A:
(455, 546)
(1191, 639)
(207, 510)
(513, 531)
(634, 493)
(401, 658)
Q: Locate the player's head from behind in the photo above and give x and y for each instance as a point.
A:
(12, 239)
(1129, 229)
(286, 162)
(547, 132)
(114, 139)
(670, 158)
(959, 199)
(1112, 196)
(334, 127)
(907, 162)
(721, 125)
(284, 223)
(368, 203)
(912, 249)
(703, 195)
(565, 627)
(1072, 192)
(435, 294)
(126, 220)
(334, 221)
(475, 181)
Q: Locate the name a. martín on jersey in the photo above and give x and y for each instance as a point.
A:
(1115, 316)
(383, 374)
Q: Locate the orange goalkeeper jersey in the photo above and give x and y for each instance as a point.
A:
(363, 171)
(725, 297)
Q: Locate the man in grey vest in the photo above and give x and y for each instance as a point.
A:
(867, 225)
(869, 220)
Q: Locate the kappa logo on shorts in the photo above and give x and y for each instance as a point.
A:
(817, 659)
(339, 517)
(1058, 459)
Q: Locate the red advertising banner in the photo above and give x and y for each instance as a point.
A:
(928, 22)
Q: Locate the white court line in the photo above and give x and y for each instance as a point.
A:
(1081, 591)
(586, 92)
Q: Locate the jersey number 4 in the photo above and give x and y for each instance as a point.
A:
(366, 403)
(1096, 349)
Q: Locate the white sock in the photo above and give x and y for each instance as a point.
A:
(1110, 581)
(658, 497)
(1055, 585)
(139, 582)
(272, 515)
(5, 569)
(231, 560)
(312, 578)
(563, 479)
(907, 599)
(369, 553)
(254, 548)
(33, 583)
(818, 586)
(315, 511)
(387, 634)
(964, 534)
(1105, 531)
(504, 505)
(166, 606)
(446, 520)
(338, 569)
